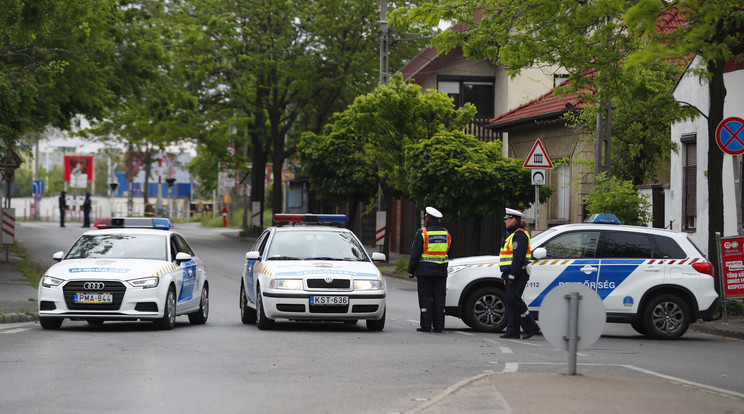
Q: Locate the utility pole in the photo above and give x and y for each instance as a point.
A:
(604, 135)
(384, 43)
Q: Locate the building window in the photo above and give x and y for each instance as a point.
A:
(558, 79)
(478, 90)
(689, 206)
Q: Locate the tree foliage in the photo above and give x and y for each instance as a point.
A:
(466, 178)
(615, 196)
(63, 58)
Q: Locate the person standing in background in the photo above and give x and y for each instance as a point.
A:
(62, 207)
(86, 210)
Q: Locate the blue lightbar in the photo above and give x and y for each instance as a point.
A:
(134, 222)
(602, 218)
(280, 219)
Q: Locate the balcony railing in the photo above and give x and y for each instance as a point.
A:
(476, 128)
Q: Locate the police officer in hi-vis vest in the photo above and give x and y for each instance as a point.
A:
(428, 262)
(513, 260)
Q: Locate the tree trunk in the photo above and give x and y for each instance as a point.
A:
(717, 92)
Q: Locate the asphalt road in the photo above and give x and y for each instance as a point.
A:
(225, 366)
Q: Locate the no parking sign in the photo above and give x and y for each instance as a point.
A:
(730, 135)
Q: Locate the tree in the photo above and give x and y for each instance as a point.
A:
(615, 196)
(597, 40)
(714, 33)
(445, 169)
(335, 165)
(281, 68)
(63, 58)
(384, 123)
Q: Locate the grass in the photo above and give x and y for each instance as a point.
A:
(27, 268)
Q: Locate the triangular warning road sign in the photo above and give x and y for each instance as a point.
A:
(538, 157)
(10, 160)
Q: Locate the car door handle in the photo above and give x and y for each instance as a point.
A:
(588, 269)
(653, 268)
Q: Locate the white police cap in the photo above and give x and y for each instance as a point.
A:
(431, 211)
(510, 212)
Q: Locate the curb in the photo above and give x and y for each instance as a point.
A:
(18, 317)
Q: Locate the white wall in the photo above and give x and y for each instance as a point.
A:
(694, 91)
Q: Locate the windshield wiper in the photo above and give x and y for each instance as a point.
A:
(323, 258)
(283, 258)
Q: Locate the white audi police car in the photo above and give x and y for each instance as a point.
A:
(128, 269)
(307, 267)
(654, 279)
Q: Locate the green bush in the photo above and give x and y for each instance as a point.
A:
(620, 198)
(401, 265)
(734, 308)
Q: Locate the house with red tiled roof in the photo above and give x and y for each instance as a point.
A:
(570, 151)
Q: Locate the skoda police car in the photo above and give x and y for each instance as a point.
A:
(654, 279)
(127, 269)
(309, 268)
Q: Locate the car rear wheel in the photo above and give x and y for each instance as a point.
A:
(262, 321)
(376, 325)
(200, 316)
(485, 310)
(51, 323)
(247, 314)
(666, 317)
(168, 321)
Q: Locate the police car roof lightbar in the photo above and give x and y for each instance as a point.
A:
(282, 219)
(603, 218)
(134, 222)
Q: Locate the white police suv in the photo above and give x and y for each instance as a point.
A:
(128, 269)
(654, 279)
(307, 267)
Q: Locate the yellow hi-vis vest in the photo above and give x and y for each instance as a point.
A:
(507, 252)
(436, 245)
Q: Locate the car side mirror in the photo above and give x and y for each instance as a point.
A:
(378, 257)
(539, 253)
(58, 256)
(182, 257)
(254, 255)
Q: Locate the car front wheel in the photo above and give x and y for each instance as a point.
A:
(666, 317)
(168, 321)
(262, 321)
(247, 314)
(50, 323)
(376, 325)
(200, 316)
(485, 310)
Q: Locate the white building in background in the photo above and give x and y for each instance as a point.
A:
(688, 201)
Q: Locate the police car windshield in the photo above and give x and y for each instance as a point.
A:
(120, 246)
(316, 245)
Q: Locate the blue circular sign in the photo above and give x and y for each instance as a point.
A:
(730, 135)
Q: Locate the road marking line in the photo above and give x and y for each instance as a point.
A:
(506, 350)
(510, 367)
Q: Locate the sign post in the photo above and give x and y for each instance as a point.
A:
(730, 139)
(538, 161)
(731, 251)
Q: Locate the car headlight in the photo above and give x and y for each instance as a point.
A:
(454, 269)
(145, 282)
(289, 284)
(49, 281)
(365, 284)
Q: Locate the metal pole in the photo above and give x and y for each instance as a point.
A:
(573, 330)
(737, 193)
(537, 206)
(384, 44)
(721, 283)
